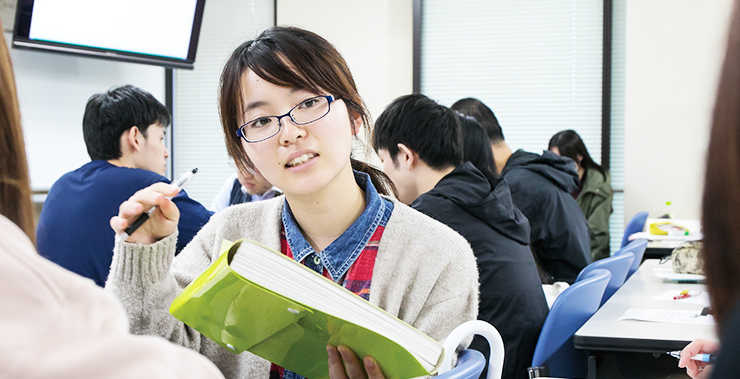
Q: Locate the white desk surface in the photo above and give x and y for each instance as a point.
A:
(604, 331)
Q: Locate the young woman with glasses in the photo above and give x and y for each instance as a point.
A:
(290, 108)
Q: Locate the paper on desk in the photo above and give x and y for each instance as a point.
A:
(667, 273)
(701, 298)
(667, 316)
(657, 237)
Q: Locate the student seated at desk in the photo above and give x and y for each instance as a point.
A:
(540, 186)
(243, 186)
(55, 324)
(290, 108)
(124, 131)
(721, 221)
(421, 146)
(594, 193)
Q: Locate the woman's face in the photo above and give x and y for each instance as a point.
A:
(300, 159)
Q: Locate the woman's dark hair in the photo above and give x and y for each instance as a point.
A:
(294, 58)
(15, 190)
(476, 148)
(483, 114)
(720, 216)
(570, 145)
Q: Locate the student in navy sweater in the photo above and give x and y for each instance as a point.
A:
(124, 131)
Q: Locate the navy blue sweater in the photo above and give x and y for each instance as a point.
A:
(74, 227)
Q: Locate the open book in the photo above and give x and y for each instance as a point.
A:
(256, 299)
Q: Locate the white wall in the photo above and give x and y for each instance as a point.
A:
(374, 37)
(52, 92)
(674, 50)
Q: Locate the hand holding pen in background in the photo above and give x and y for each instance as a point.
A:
(697, 358)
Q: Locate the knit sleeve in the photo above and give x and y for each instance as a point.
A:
(146, 280)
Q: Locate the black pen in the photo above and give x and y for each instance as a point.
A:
(179, 183)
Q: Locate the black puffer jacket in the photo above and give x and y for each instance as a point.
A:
(541, 186)
(511, 297)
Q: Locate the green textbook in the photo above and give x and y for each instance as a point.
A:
(256, 299)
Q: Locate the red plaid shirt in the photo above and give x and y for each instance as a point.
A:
(357, 279)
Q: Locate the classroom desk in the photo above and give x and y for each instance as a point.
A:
(605, 332)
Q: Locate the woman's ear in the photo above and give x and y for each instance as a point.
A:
(356, 121)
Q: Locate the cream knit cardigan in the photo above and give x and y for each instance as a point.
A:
(425, 274)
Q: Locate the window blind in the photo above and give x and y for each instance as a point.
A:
(198, 137)
(537, 64)
(616, 152)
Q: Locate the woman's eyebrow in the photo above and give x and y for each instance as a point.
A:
(261, 103)
(255, 104)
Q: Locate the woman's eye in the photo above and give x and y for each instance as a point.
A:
(310, 103)
(260, 122)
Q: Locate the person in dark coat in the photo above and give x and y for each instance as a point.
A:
(420, 144)
(541, 186)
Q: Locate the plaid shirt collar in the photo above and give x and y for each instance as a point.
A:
(339, 256)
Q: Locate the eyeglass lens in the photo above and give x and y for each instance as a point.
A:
(306, 112)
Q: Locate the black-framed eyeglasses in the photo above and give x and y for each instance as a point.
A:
(308, 111)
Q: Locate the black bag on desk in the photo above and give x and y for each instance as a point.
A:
(687, 258)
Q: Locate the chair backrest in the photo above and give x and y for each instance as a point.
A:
(637, 248)
(470, 364)
(483, 329)
(618, 266)
(569, 312)
(637, 224)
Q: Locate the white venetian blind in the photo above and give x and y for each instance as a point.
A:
(536, 63)
(616, 157)
(199, 140)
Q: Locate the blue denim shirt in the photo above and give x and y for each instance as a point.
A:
(339, 256)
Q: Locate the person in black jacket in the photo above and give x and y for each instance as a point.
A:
(540, 186)
(421, 147)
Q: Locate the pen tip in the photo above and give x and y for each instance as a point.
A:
(195, 170)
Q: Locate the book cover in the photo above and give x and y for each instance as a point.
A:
(240, 315)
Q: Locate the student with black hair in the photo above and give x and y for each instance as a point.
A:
(594, 193)
(476, 148)
(421, 146)
(540, 186)
(124, 131)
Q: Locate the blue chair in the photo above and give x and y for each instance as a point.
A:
(618, 266)
(637, 248)
(570, 311)
(470, 364)
(637, 224)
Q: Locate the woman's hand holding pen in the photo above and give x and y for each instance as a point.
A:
(343, 364)
(697, 369)
(162, 221)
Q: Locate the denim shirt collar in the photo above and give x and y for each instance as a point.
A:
(339, 256)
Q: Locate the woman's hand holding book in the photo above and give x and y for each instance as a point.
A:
(343, 364)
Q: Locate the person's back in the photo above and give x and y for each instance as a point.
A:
(541, 186)
(124, 130)
(74, 230)
(511, 297)
(422, 149)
